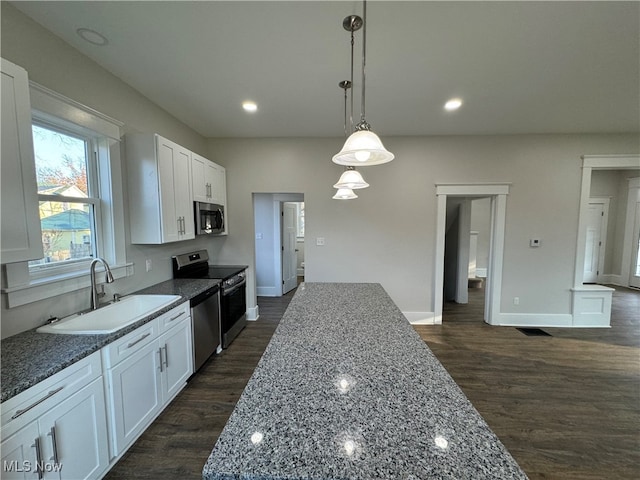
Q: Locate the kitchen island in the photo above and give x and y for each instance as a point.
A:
(346, 389)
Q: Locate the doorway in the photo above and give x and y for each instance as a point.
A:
(466, 255)
(279, 242)
(497, 193)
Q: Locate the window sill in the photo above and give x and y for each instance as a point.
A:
(52, 286)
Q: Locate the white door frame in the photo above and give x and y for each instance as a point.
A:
(590, 163)
(498, 193)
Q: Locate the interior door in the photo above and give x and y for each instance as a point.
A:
(634, 276)
(289, 256)
(592, 257)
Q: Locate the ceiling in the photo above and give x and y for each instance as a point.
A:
(520, 67)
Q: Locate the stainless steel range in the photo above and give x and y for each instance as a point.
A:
(233, 303)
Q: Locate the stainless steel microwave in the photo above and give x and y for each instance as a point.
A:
(209, 218)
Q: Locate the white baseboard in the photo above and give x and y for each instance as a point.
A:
(268, 292)
(421, 318)
(253, 313)
(535, 320)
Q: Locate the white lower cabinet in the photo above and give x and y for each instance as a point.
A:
(145, 370)
(58, 429)
(77, 423)
(134, 399)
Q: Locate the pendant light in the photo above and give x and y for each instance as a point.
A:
(363, 147)
(345, 194)
(350, 178)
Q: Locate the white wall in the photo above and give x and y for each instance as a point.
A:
(387, 235)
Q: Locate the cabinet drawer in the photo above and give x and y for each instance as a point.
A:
(33, 402)
(131, 343)
(167, 320)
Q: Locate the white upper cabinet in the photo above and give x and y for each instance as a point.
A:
(21, 234)
(208, 181)
(160, 205)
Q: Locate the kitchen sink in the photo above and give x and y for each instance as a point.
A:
(112, 317)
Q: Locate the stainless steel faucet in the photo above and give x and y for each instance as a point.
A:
(95, 296)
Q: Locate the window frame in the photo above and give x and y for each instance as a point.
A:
(48, 107)
(93, 186)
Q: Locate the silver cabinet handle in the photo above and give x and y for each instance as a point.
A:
(36, 403)
(176, 317)
(36, 444)
(166, 356)
(54, 443)
(160, 355)
(138, 340)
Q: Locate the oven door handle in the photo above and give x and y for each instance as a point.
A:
(234, 288)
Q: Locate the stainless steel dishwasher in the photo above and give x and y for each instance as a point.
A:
(205, 315)
(205, 307)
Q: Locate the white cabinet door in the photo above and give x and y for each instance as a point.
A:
(177, 356)
(160, 206)
(200, 179)
(135, 395)
(219, 185)
(208, 181)
(182, 185)
(170, 222)
(20, 454)
(74, 436)
(20, 230)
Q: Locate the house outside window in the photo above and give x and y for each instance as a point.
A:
(68, 196)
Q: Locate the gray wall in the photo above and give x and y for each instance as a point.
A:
(388, 234)
(385, 236)
(54, 64)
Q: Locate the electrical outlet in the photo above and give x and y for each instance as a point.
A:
(516, 300)
(320, 241)
(148, 265)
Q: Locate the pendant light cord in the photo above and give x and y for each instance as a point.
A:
(351, 79)
(363, 125)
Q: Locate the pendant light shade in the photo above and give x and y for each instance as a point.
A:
(363, 148)
(345, 194)
(351, 179)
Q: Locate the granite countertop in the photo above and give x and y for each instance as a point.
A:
(346, 389)
(30, 357)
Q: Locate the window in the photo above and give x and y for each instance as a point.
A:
(79, 176)
(68, 196)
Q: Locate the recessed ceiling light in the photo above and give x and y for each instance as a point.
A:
(250, 106)
(453, 104)
(92, 36)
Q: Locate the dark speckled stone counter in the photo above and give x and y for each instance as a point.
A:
(346, 389)
(30, 357)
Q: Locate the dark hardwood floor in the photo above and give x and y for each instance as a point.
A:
(567, 406)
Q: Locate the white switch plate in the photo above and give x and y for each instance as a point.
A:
(534, 242)
(148, 264)
(320, 241)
